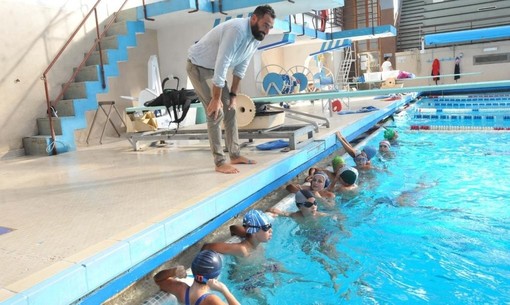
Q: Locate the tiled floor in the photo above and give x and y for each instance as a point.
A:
(73, 203)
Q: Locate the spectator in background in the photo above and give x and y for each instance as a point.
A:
(386, 65)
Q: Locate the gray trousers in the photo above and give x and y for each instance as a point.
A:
(201, 79)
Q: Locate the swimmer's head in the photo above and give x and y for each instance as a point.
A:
(320, 177)
(303, 196)
(360, 159)
(255, 220)
(369, 151)
(306, 203)
(390, 134)
(348, 175)
(206, 265)
(337, 162)
(384, 145)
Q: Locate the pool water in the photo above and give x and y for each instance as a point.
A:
(431, 227)
(477, 111)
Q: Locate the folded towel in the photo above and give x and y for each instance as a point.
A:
(273, 145)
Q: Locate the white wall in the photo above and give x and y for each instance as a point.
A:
(173, 46)
(421, 64)
(51, 24)
(32, 34)
(173, 50)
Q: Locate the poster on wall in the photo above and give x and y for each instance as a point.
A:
(363, 62)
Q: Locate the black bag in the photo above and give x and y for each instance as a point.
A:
(178, 100)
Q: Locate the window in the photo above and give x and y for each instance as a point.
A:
(491, 59)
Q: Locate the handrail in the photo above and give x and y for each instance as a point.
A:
(145, 16)
(97, 43)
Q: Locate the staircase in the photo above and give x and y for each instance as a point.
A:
(81, 94)
(344, 69)
(410, 26)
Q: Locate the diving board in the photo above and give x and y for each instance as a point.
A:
(495, 85)
(499, 32)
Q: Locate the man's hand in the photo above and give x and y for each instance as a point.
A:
(233, 103)
(214, 108)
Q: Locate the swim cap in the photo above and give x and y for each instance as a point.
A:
(337, 162)
(369, 151)
(206, 265)
(389, 134)
(326, 178)
(302, 196)
(348, 174)
(254, 220)
(384, 142)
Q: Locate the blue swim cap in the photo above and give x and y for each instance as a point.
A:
(369, 151)
(206, 265)
(254, 220)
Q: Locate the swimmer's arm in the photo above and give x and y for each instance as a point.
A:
(331, 186)
(293, 188)
(237, 230)
(278, 212)
(311, 172)
(214, 284)
(328, 204)
(177, 271)
(346, 145)
(166, 280)
(226, 248)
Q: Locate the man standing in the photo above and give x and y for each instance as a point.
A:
(228, 45)
(386, 65)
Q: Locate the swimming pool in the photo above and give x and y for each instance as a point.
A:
(431, 229)
(487, 111)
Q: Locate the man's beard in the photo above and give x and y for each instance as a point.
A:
(257, 34)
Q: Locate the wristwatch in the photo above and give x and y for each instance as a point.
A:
(232, 94)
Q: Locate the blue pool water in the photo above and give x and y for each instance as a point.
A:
(464, 110)
(433, 228)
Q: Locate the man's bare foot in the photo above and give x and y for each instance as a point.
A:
(227, 169)
(242, 160)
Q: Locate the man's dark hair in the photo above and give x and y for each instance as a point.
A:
(386, 58)
(261, 10)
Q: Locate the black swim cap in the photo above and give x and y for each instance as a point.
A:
(206, 265)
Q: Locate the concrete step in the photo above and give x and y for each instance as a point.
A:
(110, 42)
(126, 28)
(95, 59)
(127, 15)
(118, 28)
(75, 107)
(40, 146)
(76, 90)
(87, 73)
(43, 125)
(65, 108)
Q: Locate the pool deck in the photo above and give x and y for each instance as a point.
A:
(106, 215)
